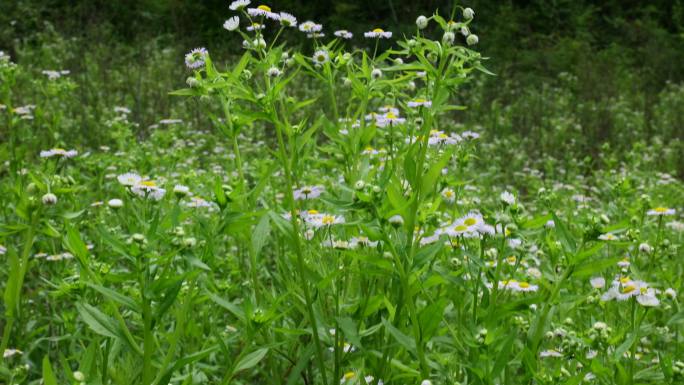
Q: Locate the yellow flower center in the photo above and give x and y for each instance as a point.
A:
(390, 115)
(660, 209)
(420, 100)
(511, 259)
(643, 290)
(524, 285)
(624, 280)
(148, 183)
(448, 193)
(378, 30)
(349, 375)
(461, 228)
(312, 212)
(58, 149)
(264, 8)
(369, 149)
(628, 289)
(470, 221)
(328, 219)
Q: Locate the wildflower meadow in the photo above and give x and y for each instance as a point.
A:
(324, 206)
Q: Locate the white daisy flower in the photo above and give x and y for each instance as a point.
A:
(11, 352)
(321, 57)
(344, 34)
(608, 237)
(148, 189)
(378, 33)
(419, 103)
(255, 27)
(660, 211)
(308, 192)
(287, 20)
(598, 282)
(550, 353)
(232, 24)
(507, 198)
(239, 5)
(448, 195)
(310, 27)
(263, 11)
(129, 179)
(196, 58)
(58, 152)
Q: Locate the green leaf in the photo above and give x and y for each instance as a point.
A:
(349, 329)
(48, 374)
(231, 307)
(99, 322)
(407, 342)
(261, 233)
(617, 355)
(566, 239)
(250, 360)
(116, 297)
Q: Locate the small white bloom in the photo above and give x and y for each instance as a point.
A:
(660, 211)
(507, 198)
(181, 190)
(597, 282)
(238, 5)
(378, 33)
(232, 24)
(468, 13)
(129, 179)
(344, 34)
(115, 203)
(287, 20)
(472, 39)
(321, 57)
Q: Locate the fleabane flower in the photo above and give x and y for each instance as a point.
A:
(196, 58)
(287, 20)
(58, 152)
(660, 211)
(232, 24)
(378, 33)
(318, 220)
(129, 179)
(239, 5)
(419, 103)
(310, 27)
(344, 34)
(308, 192)
(625, 288)
(256, 27)
(321, 57)
(263, 10)
(448, 195)
(390, 118)
(608, 237)
(148, 189)
(507, 198)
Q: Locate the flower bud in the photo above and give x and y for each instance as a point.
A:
(448, 38)
(115, 203)
(421, 22)
(376, 73)
(49, 199)
(359, 185)
(468, 13)
(472, 39)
